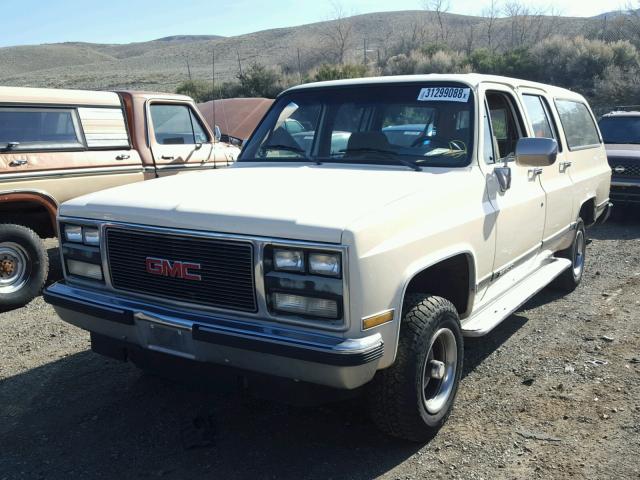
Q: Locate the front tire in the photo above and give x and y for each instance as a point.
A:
(24, 265)
(414, 397)
(569, 280)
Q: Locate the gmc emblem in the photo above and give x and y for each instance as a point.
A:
(166, 268)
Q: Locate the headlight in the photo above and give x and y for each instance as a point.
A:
(297, 304)
(84, 269)
(325, 264)
(73, 233)
(91, 236)
(288, 260)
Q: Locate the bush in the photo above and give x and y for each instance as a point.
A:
(339, 72)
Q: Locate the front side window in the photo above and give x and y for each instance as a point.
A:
(420, 125)
(538, 116)
(621, 129)
(176, 125)
(38, 128)
(578, 125)
(506, 126)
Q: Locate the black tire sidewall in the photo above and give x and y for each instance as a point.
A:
(37, 264)
(579, 228)
(443, 320)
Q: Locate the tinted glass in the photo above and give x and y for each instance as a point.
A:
(577, 124)
(538, 116)
(489, 155)
(623, 129)
(381, 124)
(38, 128)
(505, 126)
(198, 132)
(172, 125)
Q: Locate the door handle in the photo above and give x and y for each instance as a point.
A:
(167, 157)
(534, 172)
(123, 157)
(565, 165)
(18, 163)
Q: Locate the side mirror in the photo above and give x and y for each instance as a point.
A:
(536, 152)
(217, 133)
(503, 174)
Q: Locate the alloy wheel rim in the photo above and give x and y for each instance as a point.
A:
(439, 371)
(578, 254)
(14, 273)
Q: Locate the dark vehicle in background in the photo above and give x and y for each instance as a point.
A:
(621, 134)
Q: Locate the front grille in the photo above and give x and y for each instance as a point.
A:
(625, 167)
(226, 270)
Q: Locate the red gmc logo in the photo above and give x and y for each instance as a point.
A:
(177, 269)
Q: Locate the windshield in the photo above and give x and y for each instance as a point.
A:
(620, 129)
(417, 125)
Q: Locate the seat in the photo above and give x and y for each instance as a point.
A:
(365, 142)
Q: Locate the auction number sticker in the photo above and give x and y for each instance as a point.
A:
(444, 94)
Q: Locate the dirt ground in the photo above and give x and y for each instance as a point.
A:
(553, 393)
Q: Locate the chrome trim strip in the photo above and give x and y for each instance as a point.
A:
(71, 172)
(229, 324)
(618, 183)
(258, 243)
(558, 235)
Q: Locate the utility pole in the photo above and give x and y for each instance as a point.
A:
(299, 67)
(239, 63)
(364, 50)
(213, 93)
(186, 57)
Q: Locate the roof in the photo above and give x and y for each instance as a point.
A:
(236, 117)
(471, 79)
(151, 95)
(58, 96)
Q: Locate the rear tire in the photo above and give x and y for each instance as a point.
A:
(569, 280)
(414, 397)
(24, 265)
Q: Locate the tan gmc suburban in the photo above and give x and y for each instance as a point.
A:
(59, 144)
(368, 226)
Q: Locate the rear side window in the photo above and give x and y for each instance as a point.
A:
(39, 128)
(176, 125)
(579, 127)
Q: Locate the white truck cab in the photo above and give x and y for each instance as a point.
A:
(354, 251)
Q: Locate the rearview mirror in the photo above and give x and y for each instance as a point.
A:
(536, 152)
(217, 133)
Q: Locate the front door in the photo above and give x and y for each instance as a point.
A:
(519, 210)
(555, 179)
(179, 142)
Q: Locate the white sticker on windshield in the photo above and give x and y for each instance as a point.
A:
(444, 94)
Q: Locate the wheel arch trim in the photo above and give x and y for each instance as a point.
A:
(31, 195)
(426, 263)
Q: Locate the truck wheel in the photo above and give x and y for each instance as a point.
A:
(571, 277)
(413, 398)
(24, 265)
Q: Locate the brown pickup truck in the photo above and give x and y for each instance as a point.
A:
(59, 144)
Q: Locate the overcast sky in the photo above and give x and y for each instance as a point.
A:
(124, 21)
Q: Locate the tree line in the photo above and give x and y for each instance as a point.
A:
(521, 43)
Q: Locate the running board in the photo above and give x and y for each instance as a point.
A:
(492, 314)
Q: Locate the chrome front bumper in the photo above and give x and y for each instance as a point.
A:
(221, 339)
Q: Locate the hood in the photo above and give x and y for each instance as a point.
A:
(301, 202)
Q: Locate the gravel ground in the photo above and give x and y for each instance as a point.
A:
(554, 392)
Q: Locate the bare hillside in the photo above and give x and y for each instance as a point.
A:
(162, 64)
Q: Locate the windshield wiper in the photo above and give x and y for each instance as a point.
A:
(389, 154)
